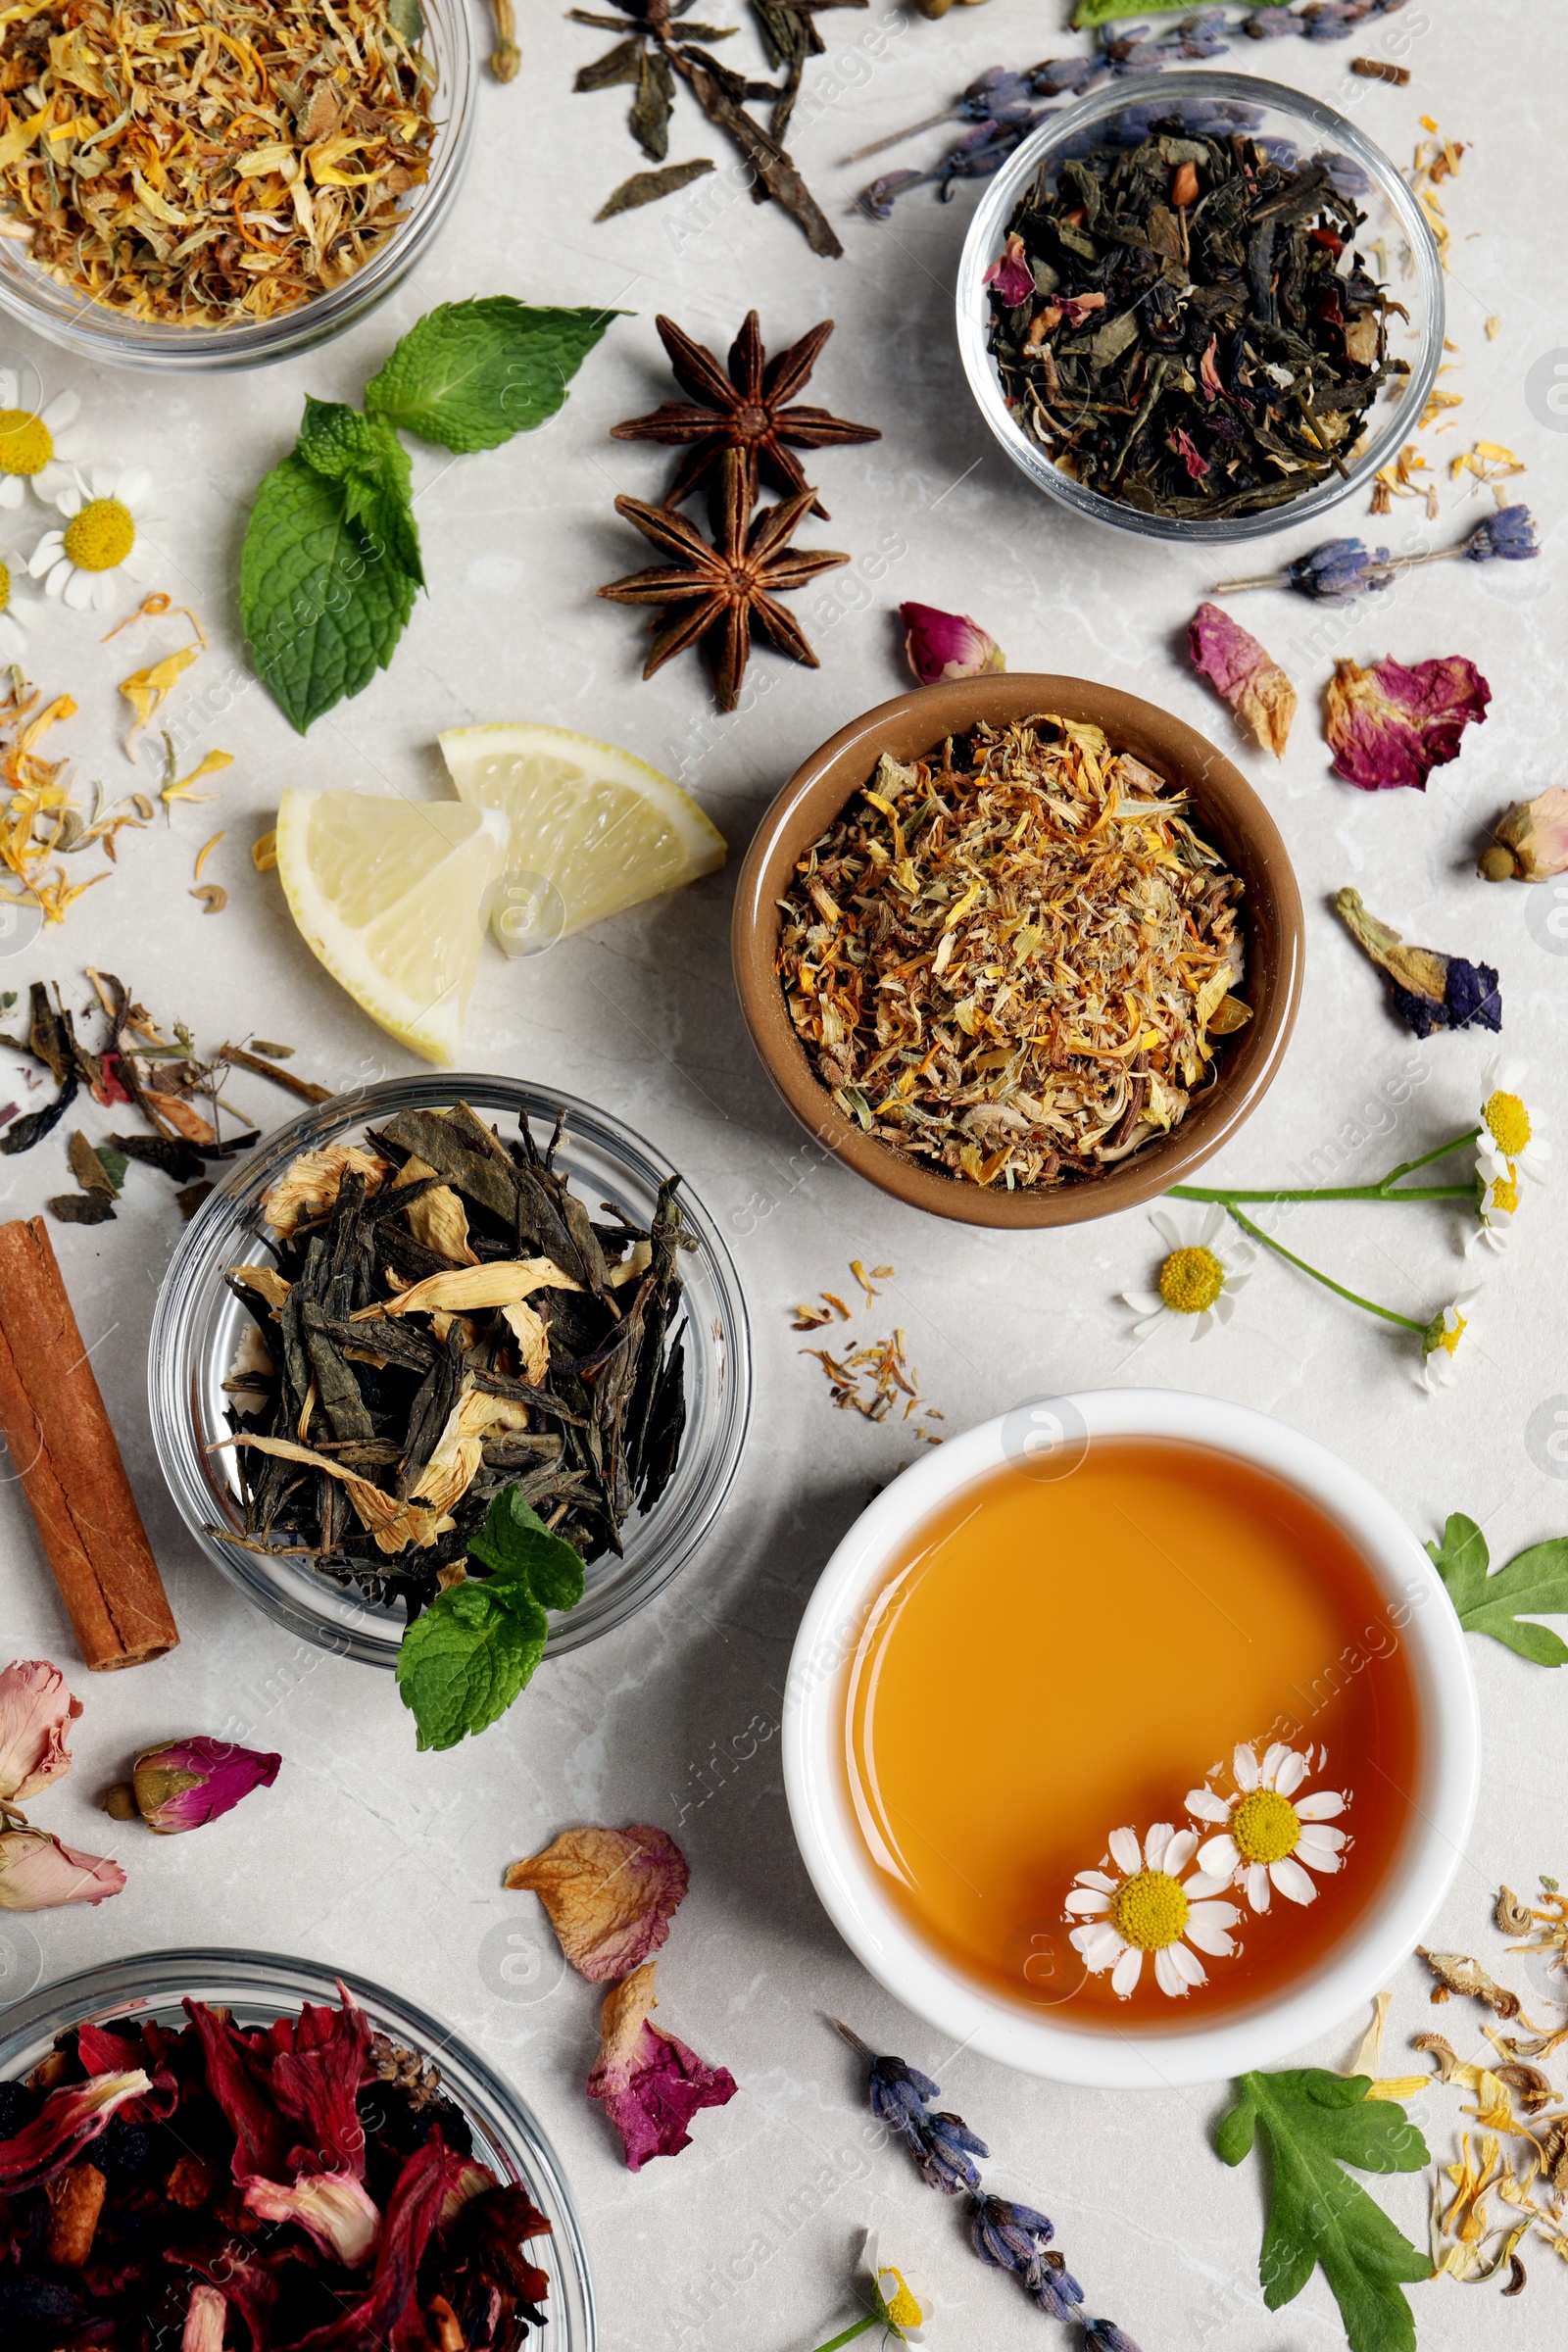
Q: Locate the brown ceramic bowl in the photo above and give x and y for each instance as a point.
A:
(1225, 810)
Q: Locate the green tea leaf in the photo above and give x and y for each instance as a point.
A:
(623, 63)
(366, 455)
(464, 1659)
(112, 1163)
(1534, 1583)
(646, 188)
(1315, 2122)
(649, 119)
(515, 1543)
(321, 608)
(469, 374)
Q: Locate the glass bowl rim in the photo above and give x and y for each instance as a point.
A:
(972, 310)
(108, 1987)
(359, 1635)
(77, 323)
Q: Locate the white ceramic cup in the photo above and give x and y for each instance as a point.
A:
(1049, 1436)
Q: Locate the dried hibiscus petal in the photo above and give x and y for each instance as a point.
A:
(648, 2083)
(1246, 674)
(69, 2121)
(610, 1894)
(1389, 726)
(1431, 991)
(332, 2207)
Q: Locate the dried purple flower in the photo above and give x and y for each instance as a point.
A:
(942, 2154)
(1340, 568)
(1510, 533)
(1006, 2236)
(1049, 2283)
(900, 2097)
(1430, 990)
(1103, 2335)
(941, 2144)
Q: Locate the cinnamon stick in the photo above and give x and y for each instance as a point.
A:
(63, 1449)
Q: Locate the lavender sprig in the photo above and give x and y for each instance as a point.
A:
(942, 2145)
(1341, 568)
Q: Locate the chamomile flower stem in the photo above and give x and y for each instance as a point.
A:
(1405, 1322)
(1387, 1188)
(849, 2334)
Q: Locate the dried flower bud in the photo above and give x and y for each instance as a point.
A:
(1533, 835)
(35, 1709)
(1509, 533)
(948, 645)
(1338, 569)
(37, 1873)
(186, 1783)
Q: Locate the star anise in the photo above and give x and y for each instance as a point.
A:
(745, 410)
(718, 594)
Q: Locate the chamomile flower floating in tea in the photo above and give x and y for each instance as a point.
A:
(1195, 1280)
(1270, 1832)
(40, 447)
(1150, 1911)
(106, 515)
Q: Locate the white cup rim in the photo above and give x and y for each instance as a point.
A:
(1157, 2058)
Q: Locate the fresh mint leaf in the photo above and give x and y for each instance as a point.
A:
(469, 374)
(515, 1543)
(1534, 1583)
(323, 607)
(366, 455)
(463, 1659)
(1315, 2122)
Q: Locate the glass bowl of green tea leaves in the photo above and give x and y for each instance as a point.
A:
(223, 186)
(1204, 311)
(445, 1344)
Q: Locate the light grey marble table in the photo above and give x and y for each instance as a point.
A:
(390, 1863)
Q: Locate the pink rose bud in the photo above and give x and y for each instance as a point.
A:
(948, 645)
(1534, 841)
(36, 1707)
(186, 1783)
(37, 1873)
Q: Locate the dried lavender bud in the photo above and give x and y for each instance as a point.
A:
(900, 2097)
(1049, 2282)
(942, 2154)
(1103, 2335)
(1006, 2236)
(1340, 568)
(1509, 533)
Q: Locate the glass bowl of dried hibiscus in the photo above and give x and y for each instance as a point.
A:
(428, 1326)
(231, 185)
(1204, 310)
(210, 2147)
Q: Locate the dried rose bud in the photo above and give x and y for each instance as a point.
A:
(37, 1873)
(948, 645)
(35, 1708)
(1533, 835)
(186, 1783)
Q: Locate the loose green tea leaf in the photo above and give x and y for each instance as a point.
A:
(366, 455)
(646, 188)
(514, 1542)
(649, 119)
(1315, 2122)
(463, 1662)
(321, 610)
(88, 1169)
(81, 1209)
(623, 63)
(469, 374)
(1534, 1583)
(114, 1165)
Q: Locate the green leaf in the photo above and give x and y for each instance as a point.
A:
(1111, 11)
(1534, 1583)
(646, 188)
(321, 608)
(464, 1659)
(623, 63)
(515, 1543)
(1314, 2122)
(469, 374)
(114, 1163)
(406, 20)
(366, 455)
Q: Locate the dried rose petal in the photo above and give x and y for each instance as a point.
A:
(37, 1873)
(1191, 455)
(648, 2083)
(333, 2208)
(186, 1783)
(69, 2121)
(610, 1894)
(35, 1708)
(948, 645)
(1010, 272)
(1247, 675)
(1389, 726)
(1534, 833)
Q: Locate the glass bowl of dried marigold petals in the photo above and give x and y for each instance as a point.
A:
(1022, 951)
(228, 185)
(140, 2086)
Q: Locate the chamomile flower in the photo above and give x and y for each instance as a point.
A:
(1270, 1831)
(40, 446)
(904, 2303)
(1440, 1344)
(1510, 1143)
(1497, 1207)
(1150, 1909)
(1195, 1280)
(104, 537)
(15, 612)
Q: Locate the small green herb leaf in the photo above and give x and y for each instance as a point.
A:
(1534, 1583)
(366, 455)
(515, 1543)
(464, 1659)
(469, 374)
(114, 1163)
(1315, 2122)
(322, 607)
(406, 20)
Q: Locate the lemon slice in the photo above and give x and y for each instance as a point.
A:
(593, 831)
(390, 895)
